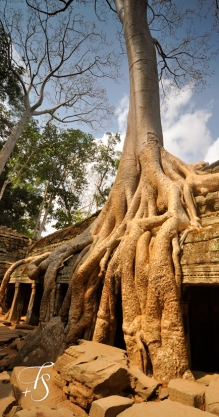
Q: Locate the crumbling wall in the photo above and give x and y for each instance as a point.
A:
(13, 246)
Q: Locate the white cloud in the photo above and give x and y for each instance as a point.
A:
(188, 137)
(212, 153)
(185, 129)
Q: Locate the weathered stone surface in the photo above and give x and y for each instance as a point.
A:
(212, 398)
(142, 384)
(13, 410)
(42, 345)
(163, 393)
(110, 406)
(164, 408)
(44, 411)
(34, 385)
(93, 370)
(187, 392)
(13, 246)
(6, 361)
(7, 399)
(73, 407)
(200, 256)
(205, 378)
(7, 334)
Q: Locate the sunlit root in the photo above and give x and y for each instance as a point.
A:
(8, 273)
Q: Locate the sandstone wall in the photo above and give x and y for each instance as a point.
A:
(13, 246)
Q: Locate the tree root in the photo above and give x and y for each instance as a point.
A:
(132, 251)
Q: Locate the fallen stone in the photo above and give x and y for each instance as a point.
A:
(204, 378)
(73, 407)
(91, 370)
(6, 362)
(163, 393)
(164, 408)
(7, 399)
(7, 334)
(110, 406)
(36, 384)
(25, 326)
(3, 353)
(144, 386)
(42, 345)
(44, 411)
(13, 410)
(212, 398)
(187, 392)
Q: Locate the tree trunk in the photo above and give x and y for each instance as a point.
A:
(41, 210)
(6, 182)
(130, 253)
(12, 139)
(45, 216)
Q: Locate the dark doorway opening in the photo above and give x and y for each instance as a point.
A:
(119, 336)
(204, 328)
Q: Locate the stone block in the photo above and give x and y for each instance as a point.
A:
(212, 398)
(93, 370)
(141, 383)
(163, 393)
(187, 392)
(164, 408)
(204, 378)
(110, 406)
(44, 411)
(42, 345)
(36, 384)
(7, 399)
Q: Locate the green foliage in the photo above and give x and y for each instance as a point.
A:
(19, 206)
(11, 94)
(105, 167)
(50, 166)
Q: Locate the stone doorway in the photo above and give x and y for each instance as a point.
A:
(204, 328)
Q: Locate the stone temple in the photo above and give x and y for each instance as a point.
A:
(199, 291)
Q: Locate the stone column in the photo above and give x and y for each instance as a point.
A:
(30, 305)
(13, 312)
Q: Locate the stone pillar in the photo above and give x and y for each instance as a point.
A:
(13, 312)
(31, 302)
(59, 297)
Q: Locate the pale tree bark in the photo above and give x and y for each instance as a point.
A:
(9, 145)
(45, 216)
(35, 234)
(130, 253)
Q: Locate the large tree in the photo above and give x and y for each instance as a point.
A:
(56, 64)
(130, 253)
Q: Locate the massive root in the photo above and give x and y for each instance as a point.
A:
(130, 254)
